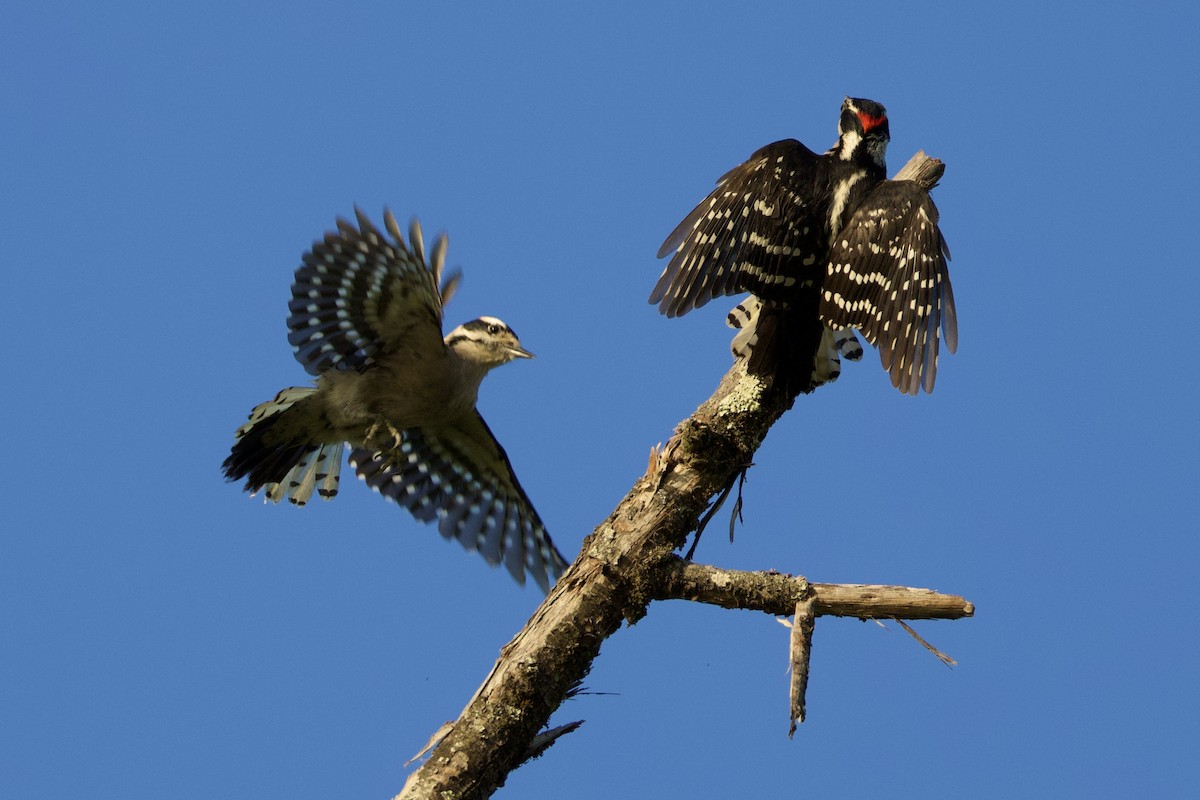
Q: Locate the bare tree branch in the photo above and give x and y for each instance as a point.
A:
(777, 593)
(804, 620)
(628, 561)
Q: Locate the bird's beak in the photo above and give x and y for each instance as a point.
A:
(519, 352)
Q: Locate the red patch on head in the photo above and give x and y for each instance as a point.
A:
(869, 122)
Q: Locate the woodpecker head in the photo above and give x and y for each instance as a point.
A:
(486, 342)
(863, 133)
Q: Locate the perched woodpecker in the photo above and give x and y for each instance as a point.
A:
(826, 244)
(366, 320)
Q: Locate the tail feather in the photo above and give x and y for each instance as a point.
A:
(743, 317)
(775, 343)
(827, 364)
(318, 469)
(273, 455)
(846, 344)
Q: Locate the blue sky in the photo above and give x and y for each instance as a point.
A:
(166, 164)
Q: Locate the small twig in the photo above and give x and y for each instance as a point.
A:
(437, 737)
(735, 514)
(708, 515)
(801, 647)
(544, 740)
(943, 657)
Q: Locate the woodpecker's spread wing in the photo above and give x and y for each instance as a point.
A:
(461, 476)
(756, 232)
(359, 294)
(887, 276)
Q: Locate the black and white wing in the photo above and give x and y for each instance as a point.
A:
(460, 476)
(887, 276)
(756, 232)
(359, 294)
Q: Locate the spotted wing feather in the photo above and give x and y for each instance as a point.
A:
(461, 477)
(756, 232)
(360, 293)
(887, 276)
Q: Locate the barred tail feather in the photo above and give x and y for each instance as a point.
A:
(318, 469)
(272, 454)
(743, 317)
(827, 363)
(847, 344)
(759, 337)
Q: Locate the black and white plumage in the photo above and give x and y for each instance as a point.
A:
(366, 320)
(827, 243)
(827, 361)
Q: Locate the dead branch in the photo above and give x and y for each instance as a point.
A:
(777, 593)
(803, 622)
(621, 569)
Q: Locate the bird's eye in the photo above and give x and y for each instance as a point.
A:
(493, 329)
